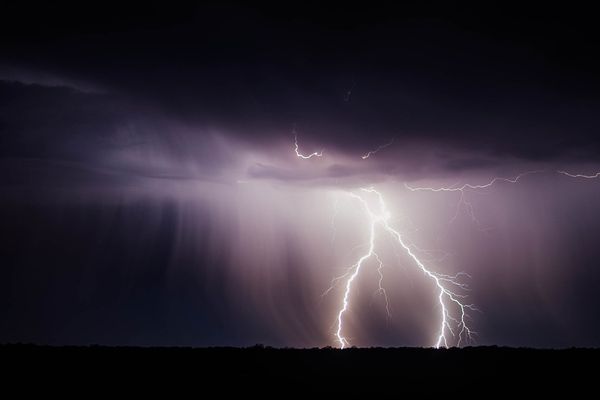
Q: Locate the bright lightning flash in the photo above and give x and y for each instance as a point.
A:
(453, 309)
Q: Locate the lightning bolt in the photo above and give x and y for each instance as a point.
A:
(446, 285)
(453, 308)
(300, 155)
(356, 269)
(450, 323)
(383, 146)
(463, 202)
(492, 182)
(596, 175)
(468, 207)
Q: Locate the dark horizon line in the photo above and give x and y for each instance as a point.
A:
(260, 346)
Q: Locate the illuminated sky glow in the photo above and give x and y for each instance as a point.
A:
(234, 174)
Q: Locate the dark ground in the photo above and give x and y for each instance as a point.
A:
(480, 372)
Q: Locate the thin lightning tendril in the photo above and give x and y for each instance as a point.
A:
(468, 206)
(383, 146)
(470, 186)
(596, 175)
(380, 288)
(300, 155)
(463, 202)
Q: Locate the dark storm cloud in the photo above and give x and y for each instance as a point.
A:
(58, 133)
(329, 173)
(46, 121)
(21, 75)
(522, 89)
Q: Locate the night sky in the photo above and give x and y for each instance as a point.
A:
(151, 194)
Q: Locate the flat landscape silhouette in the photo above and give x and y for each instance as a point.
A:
(472, 371)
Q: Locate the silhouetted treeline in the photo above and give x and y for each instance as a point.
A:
(477, 371)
